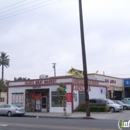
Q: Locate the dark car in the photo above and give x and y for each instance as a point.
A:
(125, 106)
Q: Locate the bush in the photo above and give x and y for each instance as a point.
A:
(82, 108)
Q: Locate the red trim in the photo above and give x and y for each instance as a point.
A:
(72, 107)
(35, 85)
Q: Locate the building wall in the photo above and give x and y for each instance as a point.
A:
(114, 85)
(60, 109)
(4, 95)
(51, 88)
(95, 92)
(4, 98)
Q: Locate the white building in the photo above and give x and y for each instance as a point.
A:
(41, 94)
(115, 87)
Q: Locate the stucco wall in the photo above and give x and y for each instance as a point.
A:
(4, 94)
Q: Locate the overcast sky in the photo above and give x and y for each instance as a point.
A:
(51, 34)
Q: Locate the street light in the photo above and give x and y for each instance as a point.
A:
(84, 60)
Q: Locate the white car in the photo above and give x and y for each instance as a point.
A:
(11, 110)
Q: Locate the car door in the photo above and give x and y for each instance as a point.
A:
(6, 109)
(1, 109)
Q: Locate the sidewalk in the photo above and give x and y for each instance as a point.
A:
(82, 115)
(75, 115)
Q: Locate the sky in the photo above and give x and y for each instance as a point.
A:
(37, 33)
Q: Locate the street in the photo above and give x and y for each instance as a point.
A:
(31, 123)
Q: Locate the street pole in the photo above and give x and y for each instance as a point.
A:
(84, 60)
(54, 66)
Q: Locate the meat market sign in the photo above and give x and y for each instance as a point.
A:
(40, 82)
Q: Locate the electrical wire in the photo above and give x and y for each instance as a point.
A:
(24, 8)
(12, 5)
(29, 10)
(18, 6)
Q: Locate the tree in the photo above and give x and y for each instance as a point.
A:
(62, 96)
(21, 78)
(4, 62)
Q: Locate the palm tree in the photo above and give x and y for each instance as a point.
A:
(4, 62)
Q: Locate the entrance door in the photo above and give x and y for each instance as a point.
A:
(44, 104)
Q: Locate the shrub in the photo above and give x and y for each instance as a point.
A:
(82, 108)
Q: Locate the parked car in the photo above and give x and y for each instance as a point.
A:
(111, 105)
(11, 110)
(125, 106)
(126, 100)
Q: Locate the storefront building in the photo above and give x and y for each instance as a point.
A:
(41, 94)
(127, 87)
(115, 86)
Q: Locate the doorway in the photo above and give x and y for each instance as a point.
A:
(44, 104)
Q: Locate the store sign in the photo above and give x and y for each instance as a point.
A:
(36, 96)
(117, 88)
(40, 82)
(110, 81)
(80, 88)
(127, 82)
(81, 81)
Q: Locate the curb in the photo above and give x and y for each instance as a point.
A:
(60, 117)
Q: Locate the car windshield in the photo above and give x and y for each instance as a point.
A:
(120, 102)
(110, 101)
(15, 106)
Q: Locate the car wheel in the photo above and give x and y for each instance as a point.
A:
(125, 108)
(112, 109)
(9, 113)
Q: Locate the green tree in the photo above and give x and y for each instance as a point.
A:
(4, 62)
(62, 96)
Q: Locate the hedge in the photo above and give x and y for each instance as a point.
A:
(82, 108)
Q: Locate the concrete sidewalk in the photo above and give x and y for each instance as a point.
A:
(82, 115)
(75, 115)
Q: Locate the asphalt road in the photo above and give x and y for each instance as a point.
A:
(28, 123)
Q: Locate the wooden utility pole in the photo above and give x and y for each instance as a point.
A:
(84, 59)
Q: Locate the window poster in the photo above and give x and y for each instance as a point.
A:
(17, 99)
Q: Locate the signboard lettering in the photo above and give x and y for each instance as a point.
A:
(40, 82)
(110, 81)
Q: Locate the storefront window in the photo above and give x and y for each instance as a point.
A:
(17, 99)
(54, 100)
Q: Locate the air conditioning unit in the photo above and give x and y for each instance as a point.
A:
(43, 76)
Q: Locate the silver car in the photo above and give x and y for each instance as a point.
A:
(113, 106)
(11, 110)
(125, 106)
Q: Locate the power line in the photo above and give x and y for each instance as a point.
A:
(25, 8)
(12, 5)
(29, 10)
(18, 6)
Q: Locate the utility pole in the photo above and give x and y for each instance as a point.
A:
(54, 66)
(84, 60)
